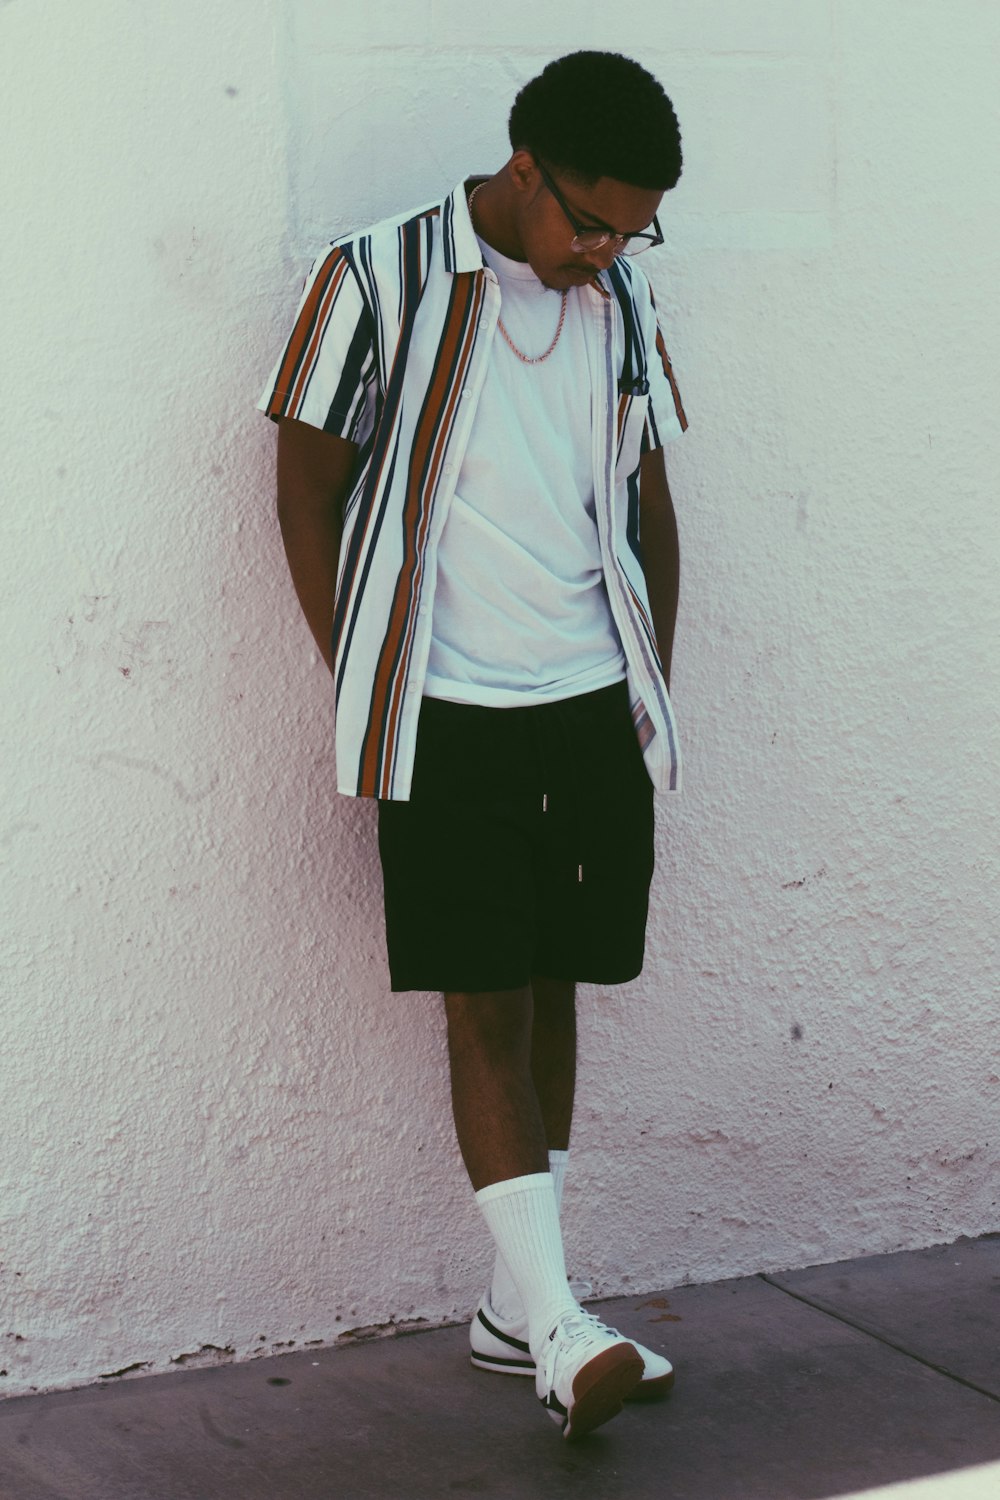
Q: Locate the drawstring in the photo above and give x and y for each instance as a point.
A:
(545, 808)
(561, 713)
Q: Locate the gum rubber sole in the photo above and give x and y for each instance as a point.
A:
(646, 1390)
(653, 1390)
(600, 1388)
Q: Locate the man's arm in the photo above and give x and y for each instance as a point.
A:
(660, 551)
(315, 470)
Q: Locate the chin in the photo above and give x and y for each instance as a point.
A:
(567, 276)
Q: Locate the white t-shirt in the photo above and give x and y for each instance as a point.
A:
(521, 613)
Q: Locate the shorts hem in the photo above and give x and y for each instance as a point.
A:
(404, 983)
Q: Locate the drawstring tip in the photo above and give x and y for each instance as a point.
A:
(545, 802)
(579, 874)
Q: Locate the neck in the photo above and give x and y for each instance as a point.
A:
(493, 217)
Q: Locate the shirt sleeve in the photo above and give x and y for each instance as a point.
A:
(326, 374)
(665, 419)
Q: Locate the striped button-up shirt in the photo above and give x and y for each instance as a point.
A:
(389, 350)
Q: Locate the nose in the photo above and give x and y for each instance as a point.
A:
(599, 260)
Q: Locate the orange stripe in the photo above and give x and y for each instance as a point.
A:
(640, 610)
(372, 488)
(623, 402)
(436, 422)
(433, 435)
(297, 396)
(642, 723)
(441, 435)
(320, 299)
(373, 480)
(668, 371)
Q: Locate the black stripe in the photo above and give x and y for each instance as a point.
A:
(327, 271)
(465, 291)
(343, 630)
(338, 418)
(354, 550)
(448, 232)
(410, 232)
(506, 1364)
(504, 1338)
(634, 377)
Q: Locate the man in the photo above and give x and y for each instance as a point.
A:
(473, 403)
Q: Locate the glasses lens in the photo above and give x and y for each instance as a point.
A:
(591, 239)
(637, 246)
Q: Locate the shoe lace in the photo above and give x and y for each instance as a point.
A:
(590, 1321)
(572, 1329)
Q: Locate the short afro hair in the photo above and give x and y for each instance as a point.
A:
(598, 114)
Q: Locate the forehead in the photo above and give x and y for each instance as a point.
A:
(620, 205)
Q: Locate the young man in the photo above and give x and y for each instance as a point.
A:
(473, 403)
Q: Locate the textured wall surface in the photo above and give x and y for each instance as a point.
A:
(222, 1135)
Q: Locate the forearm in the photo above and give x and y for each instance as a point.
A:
(660, 555)
(315, 471)
(312, 548)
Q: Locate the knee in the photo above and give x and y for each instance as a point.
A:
(555, 1002)
(497, 1023)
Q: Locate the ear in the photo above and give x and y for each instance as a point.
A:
(524, 174)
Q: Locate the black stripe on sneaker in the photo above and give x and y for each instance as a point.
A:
(504, 1338)
(504, 1364)
(551, 1402)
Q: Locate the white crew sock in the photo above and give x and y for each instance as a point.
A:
(505, 1299)
(523, 1220)
(557, 1166)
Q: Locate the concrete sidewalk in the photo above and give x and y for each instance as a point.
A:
(808, 1384)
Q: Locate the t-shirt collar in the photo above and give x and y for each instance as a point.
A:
(461, 247)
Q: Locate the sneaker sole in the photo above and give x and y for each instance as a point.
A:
(498, 1364)
(600, 1388)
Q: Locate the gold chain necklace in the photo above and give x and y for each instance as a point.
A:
(524, 358)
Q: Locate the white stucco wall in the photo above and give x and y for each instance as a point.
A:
(223, 1135)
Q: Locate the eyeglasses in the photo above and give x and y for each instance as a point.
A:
(595, 237)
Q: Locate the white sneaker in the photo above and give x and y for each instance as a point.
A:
(501, 1345)
(584, 1372)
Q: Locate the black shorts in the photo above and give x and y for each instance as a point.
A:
(526, 847)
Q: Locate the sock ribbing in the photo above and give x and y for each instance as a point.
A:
(504, 1297)
(557, 1166)
(522, 1217)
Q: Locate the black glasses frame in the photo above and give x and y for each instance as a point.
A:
(580, 228)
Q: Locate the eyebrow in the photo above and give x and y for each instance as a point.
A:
(595, 223)
(592, 221)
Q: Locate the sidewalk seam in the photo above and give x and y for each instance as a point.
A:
(881, 1338)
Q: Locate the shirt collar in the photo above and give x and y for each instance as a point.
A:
(461, 247)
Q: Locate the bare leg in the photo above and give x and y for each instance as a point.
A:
(553, 1056)
(498, 1120)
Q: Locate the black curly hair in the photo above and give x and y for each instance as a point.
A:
(598, 114)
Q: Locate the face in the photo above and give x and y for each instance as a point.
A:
(546, 231)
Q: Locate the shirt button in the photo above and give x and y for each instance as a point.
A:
(448, 469)
(466, 392)
(484, 322)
